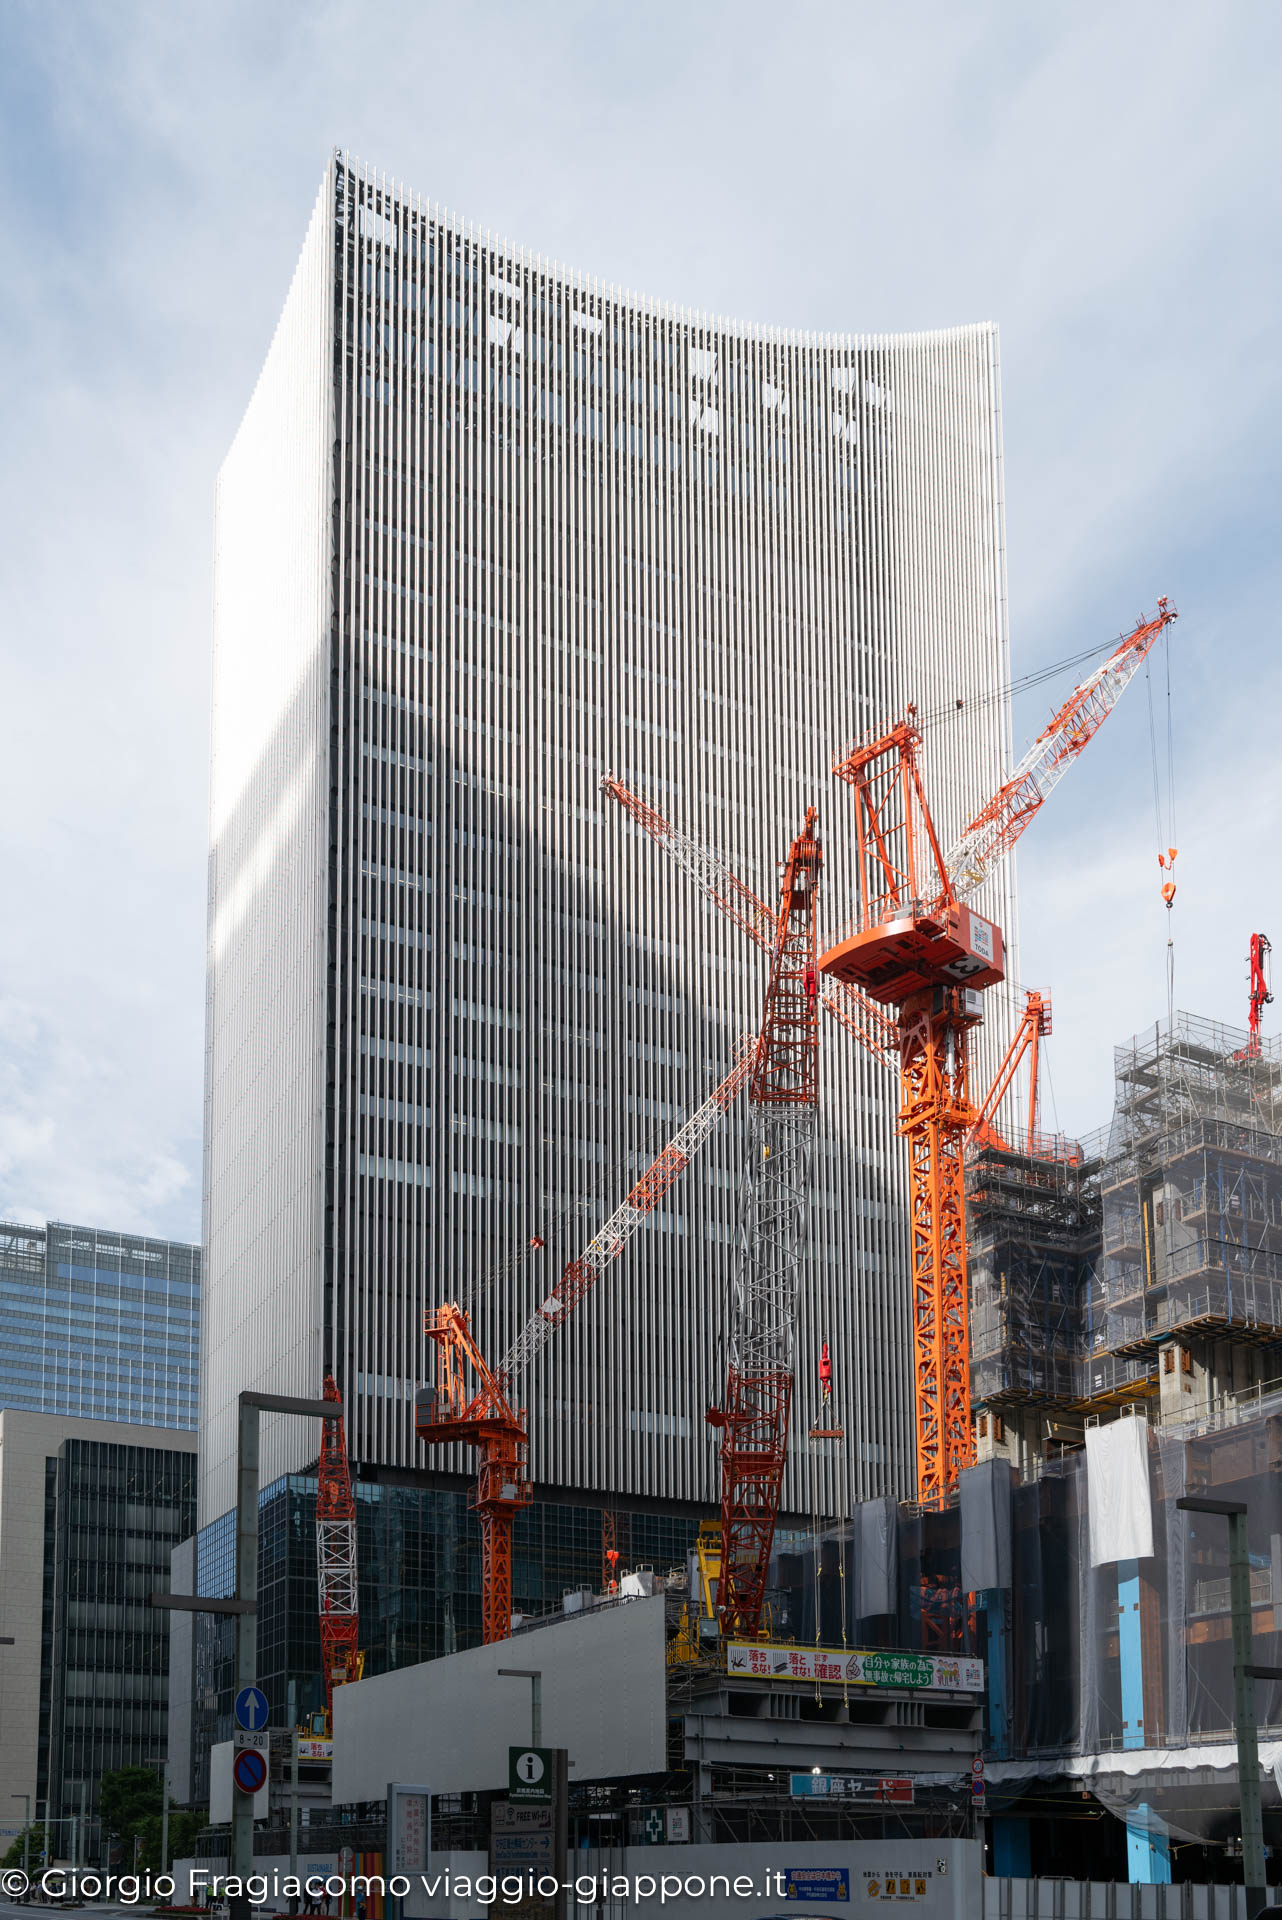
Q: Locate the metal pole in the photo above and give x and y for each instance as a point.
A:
(293, 1780)
(1248, 1752)
(535, 1677)
(1254, 1872)
(26, 1829)
(242, 1816)
(164, 1818)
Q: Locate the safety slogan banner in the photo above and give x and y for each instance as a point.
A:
(924, 1672)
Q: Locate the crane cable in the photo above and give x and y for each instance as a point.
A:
(1006, 690)
(1168, 849)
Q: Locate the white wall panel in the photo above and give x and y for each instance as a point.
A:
(268, 891)
(452, 1721)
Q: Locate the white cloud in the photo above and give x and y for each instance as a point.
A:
(1103, 182)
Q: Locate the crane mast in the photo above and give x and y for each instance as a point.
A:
(774, 1207)
(918, 947)
(336, 1556)
(472, 1402)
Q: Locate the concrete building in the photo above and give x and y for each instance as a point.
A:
(90, 1513)
(488, 530)
(99, 1325)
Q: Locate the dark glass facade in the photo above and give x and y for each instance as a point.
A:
(113, 1515)
(420, 1575)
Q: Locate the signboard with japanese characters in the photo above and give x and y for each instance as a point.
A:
(923, 1672)
(893, 1887)
(816, 1883)
(898, 1790)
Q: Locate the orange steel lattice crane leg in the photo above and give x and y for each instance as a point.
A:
(916, 947)
(475, 1410)
(935, 1117)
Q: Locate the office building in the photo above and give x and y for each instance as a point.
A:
(99, 1325)
(90, 1514)
(490, 529)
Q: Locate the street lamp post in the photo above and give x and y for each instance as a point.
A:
(1245, 1674)
(245, 1605)
(156, 1761)
(26, 1829)
(535, 1677)
(293, 1781)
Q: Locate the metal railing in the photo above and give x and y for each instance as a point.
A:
(1108, 1900)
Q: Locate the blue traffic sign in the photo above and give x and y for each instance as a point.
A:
(249, 1769)
(251, 1709)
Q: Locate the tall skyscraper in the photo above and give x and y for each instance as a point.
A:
(488, 530)
(99, 1325)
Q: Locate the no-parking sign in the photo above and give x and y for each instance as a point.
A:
(249, 1769)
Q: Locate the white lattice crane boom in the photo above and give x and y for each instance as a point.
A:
(608, 1243)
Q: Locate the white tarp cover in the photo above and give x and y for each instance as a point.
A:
(1130, 1784)
(1121, 1506)
(876, 1558)
(985, 1525)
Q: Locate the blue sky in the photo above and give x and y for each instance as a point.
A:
(1102, 181)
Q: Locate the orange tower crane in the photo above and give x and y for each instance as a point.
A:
(473, 1402)
(1034, 1027)
(917, 945)
(336, 1557)
(1260, 997)
(783, 1098)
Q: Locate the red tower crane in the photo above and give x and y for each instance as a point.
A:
(1260, 996)
(917, 946)
(783, 1098)
(473, 1402)
(336, 1557)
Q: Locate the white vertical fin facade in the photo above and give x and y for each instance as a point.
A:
(269, 890)
(569, 531)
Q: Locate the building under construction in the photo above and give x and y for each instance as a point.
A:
(1142, 1265)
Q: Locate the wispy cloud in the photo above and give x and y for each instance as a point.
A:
(1103, 182)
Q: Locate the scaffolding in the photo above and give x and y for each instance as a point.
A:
(1033, 1236)
(1192, 1192)
(1090, 1262)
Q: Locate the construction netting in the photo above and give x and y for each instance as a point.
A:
(1107, 1615)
